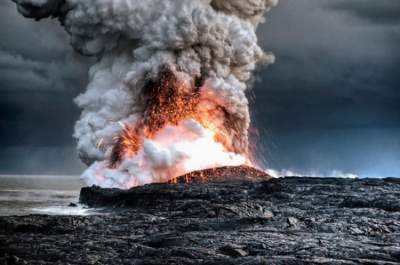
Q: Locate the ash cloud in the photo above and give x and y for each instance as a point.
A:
(212, 40)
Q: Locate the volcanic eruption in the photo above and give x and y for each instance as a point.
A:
(166, 96)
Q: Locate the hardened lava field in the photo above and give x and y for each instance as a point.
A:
(280, 221)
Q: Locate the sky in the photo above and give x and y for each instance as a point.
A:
(330, 103)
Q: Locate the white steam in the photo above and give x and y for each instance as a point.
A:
(290, 173)
(133, 40)
(175, 151)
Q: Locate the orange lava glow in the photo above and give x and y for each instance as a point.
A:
(169, 102)
(222, 174)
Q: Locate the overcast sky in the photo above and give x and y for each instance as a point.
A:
(331, 102)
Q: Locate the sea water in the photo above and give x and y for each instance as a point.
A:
(52, 195)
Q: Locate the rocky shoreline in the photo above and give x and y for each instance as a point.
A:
(281, 221)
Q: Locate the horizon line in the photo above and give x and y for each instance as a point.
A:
(37, 175)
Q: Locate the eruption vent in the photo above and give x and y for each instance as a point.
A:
(167, 95)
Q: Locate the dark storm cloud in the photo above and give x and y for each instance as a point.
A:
(326, 92)
(52, 160)
(36, 55)
(330, 73)
(31, 119)
(39, 76)
(43, 40)
(375, 11)
(21, 73)
(331, 101)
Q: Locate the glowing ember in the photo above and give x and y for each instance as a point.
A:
(127, 145)
(169, 102)
(222, 174)
(174, 137)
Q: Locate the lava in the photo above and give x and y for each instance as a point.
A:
(174, 116)
(169, 102)
(223, 174)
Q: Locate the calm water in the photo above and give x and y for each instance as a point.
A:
(23, 195)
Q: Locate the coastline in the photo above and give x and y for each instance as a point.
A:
(281, 221)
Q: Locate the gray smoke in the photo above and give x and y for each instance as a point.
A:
(133, 39)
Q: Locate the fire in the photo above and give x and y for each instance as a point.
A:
(127, 145)
(169, 102)
(173, 117)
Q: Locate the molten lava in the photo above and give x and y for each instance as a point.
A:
(223, 174)
(180, 131)
(169, 102)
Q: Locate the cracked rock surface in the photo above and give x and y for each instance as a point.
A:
(281, 221)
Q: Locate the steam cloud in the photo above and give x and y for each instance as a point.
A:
(211, 40)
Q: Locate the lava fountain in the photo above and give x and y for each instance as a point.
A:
(167, 94)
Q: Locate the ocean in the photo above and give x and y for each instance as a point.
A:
(52, 195)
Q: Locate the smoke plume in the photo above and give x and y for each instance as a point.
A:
(167, 94)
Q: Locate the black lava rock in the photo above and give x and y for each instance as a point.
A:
(281, 221)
